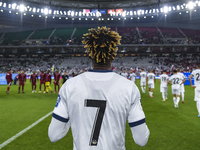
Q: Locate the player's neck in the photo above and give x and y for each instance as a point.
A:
(101, 66)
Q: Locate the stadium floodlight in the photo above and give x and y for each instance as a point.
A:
(46, 11)
(24, 14)
(135, 13)
(108, 18)
(138, 18)
(131, 13)
(80, 13)
(161, 9)
(111, 18)
(32, 15)
(178, 7)
(61, 12)
(92, 19)
(1, 10)
(53, 17)
(154, 10)
(30, 9)
(170, 8)
(14, 5)
(42, 10)
(54, 12)
(50, 12)
(79, 18)
(195, 10)
(1, 3)
(65, 13)
(72, 18)
(57, 12)
(66, 18)
(102, 19)
(9, 5)
(174, 8)
(10, 12)
(138, 12)
(21, 8)
(46, 17)
(157, 10)
(124, 14)
(199, 3)
(165, 15)
(124, 18)
(85, 18)
(17, 13)
(40, 16)
(38, 10)
(118, 18)
(131, 18)
(180, 13)
(72, 13)
(150, 11)
(145, 17)
(165, 9)
(4, 5)
(142, 12)
(151, 16)
(186, 11)
(59, 17)
(76, 13)
(190, 5)
(25, 9)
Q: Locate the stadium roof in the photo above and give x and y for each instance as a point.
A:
(101, 3)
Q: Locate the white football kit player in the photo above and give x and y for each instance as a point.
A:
(125, 75)
(143, 76)
(96, 105)
(151, 77)
(133, 76)
(196, 74)
(164, 85)
(182, 88)
(176, 81)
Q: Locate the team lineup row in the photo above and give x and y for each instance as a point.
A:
(177, 81)
(45, 79)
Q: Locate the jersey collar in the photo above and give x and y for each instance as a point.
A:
(100, 71)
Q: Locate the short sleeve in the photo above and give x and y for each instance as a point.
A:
(193, 73)
(136, 115)
(170, 79)
(60, 111)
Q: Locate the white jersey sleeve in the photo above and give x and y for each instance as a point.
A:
(196, 74)
(136, 120)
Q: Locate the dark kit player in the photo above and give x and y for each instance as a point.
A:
(42, 81)
(33, 81)
(65, 77)
(22, 80)
(56, 80)
(48, 82)
(9, 80)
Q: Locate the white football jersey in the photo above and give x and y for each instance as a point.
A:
(125, 75)
(143, 76)
(133, 76)
(163, 80)
(176, 81)
(151, 77)
(97, 105)
(182, 76)
(196, 74)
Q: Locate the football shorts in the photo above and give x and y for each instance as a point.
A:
(197, 94)
(9, 83)
(151, 85)
(42, 82)
(143, 83)
(47, 83)
(21, 83)
(176, 91)
(34, 83)
(163, 89)
(56, 83)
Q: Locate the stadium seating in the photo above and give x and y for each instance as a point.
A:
(171, 32)
(193, 35)
(15, 38)
(42, 34)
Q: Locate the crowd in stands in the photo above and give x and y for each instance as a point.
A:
(77, 64)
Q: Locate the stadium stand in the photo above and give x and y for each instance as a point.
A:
(42, 34)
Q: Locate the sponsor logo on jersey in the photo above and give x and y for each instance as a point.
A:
(58, 101)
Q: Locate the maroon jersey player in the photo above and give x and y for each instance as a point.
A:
(9, 80)
(42, 81)
(56, 80)
(33, 79)
(22, 80)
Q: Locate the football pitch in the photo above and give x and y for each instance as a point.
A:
(171, 128)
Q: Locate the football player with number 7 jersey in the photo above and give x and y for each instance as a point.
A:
(176, 81)
(96, 104)
(196, 86)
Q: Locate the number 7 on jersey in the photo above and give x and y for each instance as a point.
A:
(101, 106)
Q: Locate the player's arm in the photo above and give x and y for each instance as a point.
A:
(190, 79)
(169, 81)
(60, 122)
(136, 120)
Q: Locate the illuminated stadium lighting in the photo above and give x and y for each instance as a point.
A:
(24, 14)
(1, 3)
(186, 11)
(9, 5)
(154, 10)
(108, 18)
(54, 12)
(138, 12)
(102, 19)
(199, 3)
(66, 18)
(32, 15)
(124, 14)
(72, 13)
(150, 11)
(165, 15)
(46, 11)
(80, 13)
(50, 12)
(30, 9)
(195, 10)
(183, 4)
(135, 13)
(53, 17)
(34, 10)
(111, 18)
(72, 18)
(40, 16)
(57, 12)
(92, 19)
(157, 10)
(79, 18)
(59, 17)
(1, 10)
(85, 18)
(65, 13)
(99, 19)
(131, 18)
(170, 8)
(42, 11)
(138, 18)
(17, 13)
(46, 17)
(142, 12)
(38, 10)
(21, 8)
(76, 13)
(124, 18)
(190, 5)
(180, 13)
(165, 9)
(161, 9)
(10, 12)
(4, 5)
(174, 8)
(151, 16)
(131, 13)
(145, 17)
(178, 7)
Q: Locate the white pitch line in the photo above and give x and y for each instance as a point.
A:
(25, 130)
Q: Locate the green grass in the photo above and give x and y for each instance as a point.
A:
(171, 129)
